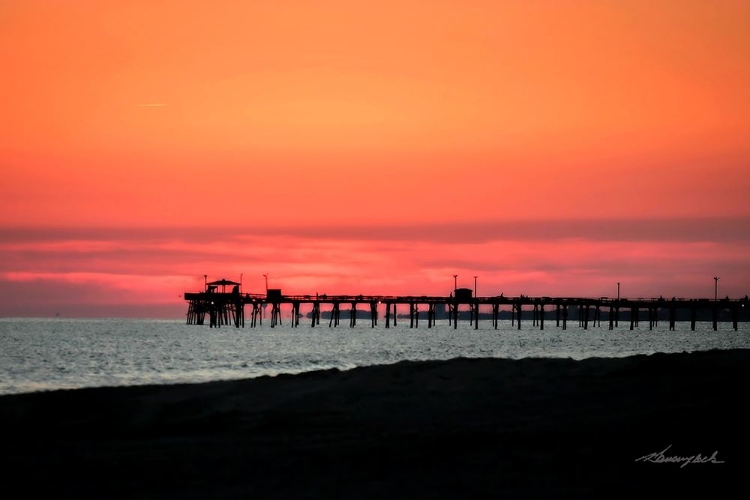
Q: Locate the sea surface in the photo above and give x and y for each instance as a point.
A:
(49, 354)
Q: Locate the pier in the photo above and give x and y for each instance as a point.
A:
(221, 307)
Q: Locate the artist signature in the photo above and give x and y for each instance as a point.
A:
(661, 458)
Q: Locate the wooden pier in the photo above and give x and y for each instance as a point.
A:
(228, 308)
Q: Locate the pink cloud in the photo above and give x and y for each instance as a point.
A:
(143, 267)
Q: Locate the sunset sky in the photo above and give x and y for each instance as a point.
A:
(548, 147)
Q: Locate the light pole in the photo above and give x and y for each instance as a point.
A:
(240, 282)
(716, 288)
(475, 285)
(455, 286)
(618, 290)
(205, 282)
(262, 311)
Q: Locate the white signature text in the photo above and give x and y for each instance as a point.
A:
(661, 458)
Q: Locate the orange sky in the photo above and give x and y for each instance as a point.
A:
(309, 127)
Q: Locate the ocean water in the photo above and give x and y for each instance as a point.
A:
(48, 354)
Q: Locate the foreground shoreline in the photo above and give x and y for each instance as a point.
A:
(528, 428)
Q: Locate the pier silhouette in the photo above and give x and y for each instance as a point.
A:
(223, 307)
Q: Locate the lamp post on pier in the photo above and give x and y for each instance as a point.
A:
(241, 282)
(205, 282)
(455, 285)
(475, 285)
(265, 303)
(716, 288)
(618, 291)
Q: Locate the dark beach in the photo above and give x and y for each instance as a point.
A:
(480, 427)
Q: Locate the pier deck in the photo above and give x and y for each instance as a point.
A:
(227, 308)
